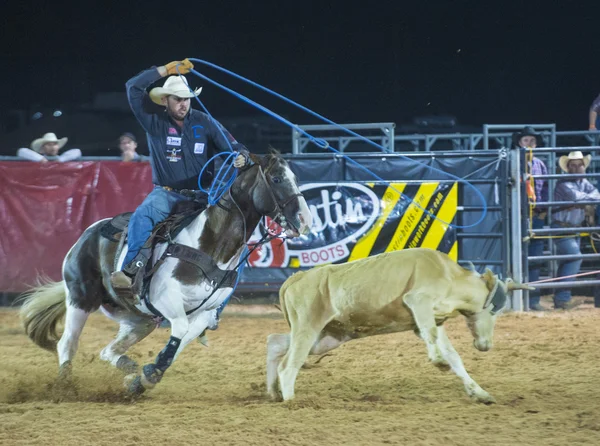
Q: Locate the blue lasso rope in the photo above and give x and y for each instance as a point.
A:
(220, 183)
(325, 145)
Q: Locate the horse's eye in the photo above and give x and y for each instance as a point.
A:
(276, 180)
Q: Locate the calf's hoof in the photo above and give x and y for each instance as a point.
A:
(275, 396)
(484, 397)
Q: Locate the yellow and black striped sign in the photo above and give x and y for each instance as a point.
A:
(402, 223)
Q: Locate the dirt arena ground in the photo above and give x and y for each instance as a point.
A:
(543, 371)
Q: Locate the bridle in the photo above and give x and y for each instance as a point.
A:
(277, 213)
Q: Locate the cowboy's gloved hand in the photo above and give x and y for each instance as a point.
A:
(184, 67)
(240, 161)
(243, 159)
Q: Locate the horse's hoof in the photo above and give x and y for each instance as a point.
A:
(151, 376)
(133, 384)
(65, 371)
(127, 365)
(203, 339)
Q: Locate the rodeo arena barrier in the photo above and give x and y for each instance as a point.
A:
(49, 206)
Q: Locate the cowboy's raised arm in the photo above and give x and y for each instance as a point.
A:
(136, 92)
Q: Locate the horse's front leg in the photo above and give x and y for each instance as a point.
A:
(170, 305)
(153, 373)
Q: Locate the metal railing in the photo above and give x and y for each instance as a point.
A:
(385, 134)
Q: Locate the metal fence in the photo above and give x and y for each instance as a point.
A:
(386, 135)
(521, 216)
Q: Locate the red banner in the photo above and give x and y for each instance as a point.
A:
(44, 208)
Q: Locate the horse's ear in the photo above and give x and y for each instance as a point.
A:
(273, 151)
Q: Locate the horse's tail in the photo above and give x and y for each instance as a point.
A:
(42, 308)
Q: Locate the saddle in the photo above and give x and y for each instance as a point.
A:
(181, 216)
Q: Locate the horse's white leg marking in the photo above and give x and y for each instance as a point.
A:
(473, 389)
(198, 321)
(170, 305)
(422, 312)
(129, 334)
(69, 341)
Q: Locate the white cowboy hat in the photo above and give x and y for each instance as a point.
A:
(563, 161)
(176, 86)
(48, 137)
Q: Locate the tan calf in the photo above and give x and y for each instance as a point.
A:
(412, 289)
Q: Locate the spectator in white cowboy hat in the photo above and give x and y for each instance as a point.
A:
(46, 149)
(128, 146)
(573, 190)
(529, 139)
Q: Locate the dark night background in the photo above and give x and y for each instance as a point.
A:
(352, 62)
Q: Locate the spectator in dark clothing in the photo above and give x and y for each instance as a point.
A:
(128, 146)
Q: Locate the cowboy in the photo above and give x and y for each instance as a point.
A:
(573, 190)
(538, 191)
(128, 146)
(180, 141)
(46, 149)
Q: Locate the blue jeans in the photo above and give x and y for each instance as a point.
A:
(536, 248)
(564, 246)
(155, 208)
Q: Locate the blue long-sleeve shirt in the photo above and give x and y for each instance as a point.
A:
(177, 154)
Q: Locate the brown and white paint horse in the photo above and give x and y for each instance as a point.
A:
(268, 188)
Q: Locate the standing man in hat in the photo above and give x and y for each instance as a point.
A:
(46, 149)
(573, 190)
(537, 190)
(180, 141)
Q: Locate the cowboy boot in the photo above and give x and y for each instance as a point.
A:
(128, 281)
